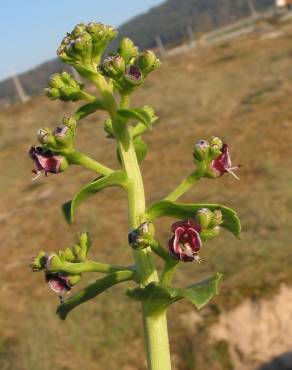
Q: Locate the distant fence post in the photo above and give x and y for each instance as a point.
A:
(252, 8)
(18, 87)
(160, 45)
(190, 33)
(75, 74)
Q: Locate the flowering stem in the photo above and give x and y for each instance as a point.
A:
(155, 326)
(184, 186)
(76, 157)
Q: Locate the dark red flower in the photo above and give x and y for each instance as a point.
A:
(222, 164)
(57, 282)
(45, 161)
(133, 73)
(186, 242)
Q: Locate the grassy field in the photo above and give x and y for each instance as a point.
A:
(240, 91)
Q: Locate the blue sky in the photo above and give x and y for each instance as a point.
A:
(31, 30)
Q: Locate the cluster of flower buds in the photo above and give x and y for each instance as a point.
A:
(186, 242)
(48, 157)
(53, 263)
(64, 87)
(139, 238)
(128, 68)
(213, 158)
(84, 46)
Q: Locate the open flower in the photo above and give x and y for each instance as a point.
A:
(45, 161)
(58, 282)
(222, 164)
(186, 242)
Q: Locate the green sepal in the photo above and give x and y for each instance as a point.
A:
(89, 108)
(144, 115)
(157, 297)
(163, 208)
(117, 178)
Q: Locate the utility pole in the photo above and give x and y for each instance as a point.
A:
(18, 87)
(160, 45)
(252, 9)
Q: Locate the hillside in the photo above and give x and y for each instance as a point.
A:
(239, 91)
(169, 20)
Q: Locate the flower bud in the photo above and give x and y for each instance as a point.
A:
(216, 142)
(69, 255)
(81, 249)
(210, 233)
(201, 150)
(128, 50)
(147, 62)
(204, 216)
(52, 93)
(82, 47)
(101, 35)
(56, 81)
(38, 263)
(54, 263)
(64, 87)
(73, 280)
(113, 66)
(78, 30)
(217, 218)
(46, 137)
(63, 135)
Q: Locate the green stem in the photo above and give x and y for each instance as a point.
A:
(184, 186)
(90, 266)
(168, 272)
(155, 326)
(76, 157)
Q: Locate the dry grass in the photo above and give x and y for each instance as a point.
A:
(239, 91)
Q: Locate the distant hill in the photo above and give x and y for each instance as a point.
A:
(169, 20)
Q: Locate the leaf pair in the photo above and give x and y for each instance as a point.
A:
(157, 297)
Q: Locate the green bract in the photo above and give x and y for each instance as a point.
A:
(116, 78)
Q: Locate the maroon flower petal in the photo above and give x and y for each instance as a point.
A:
(57, 282)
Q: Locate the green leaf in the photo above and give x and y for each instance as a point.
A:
(163, 208)
(157, 297)
(89, 108)
(144, 115)
(199, 294)
(117, 178)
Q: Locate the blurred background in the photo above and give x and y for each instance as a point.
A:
(226, 72)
